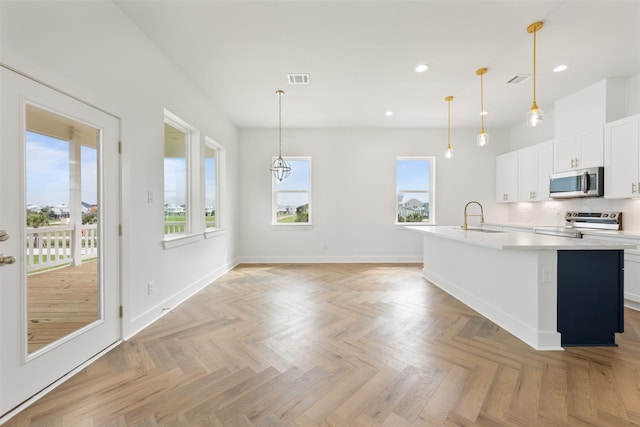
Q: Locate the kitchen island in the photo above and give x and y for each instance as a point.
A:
(513, 279)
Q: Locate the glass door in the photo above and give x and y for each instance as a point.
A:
(59, 269)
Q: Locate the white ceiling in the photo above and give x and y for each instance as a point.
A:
(361, 56)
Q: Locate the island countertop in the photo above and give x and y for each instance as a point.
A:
(514, 240)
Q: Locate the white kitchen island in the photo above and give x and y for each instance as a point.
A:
(509, 277)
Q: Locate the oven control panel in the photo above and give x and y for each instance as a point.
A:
(602, 220)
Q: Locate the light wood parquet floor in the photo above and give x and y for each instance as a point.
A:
(342, 345)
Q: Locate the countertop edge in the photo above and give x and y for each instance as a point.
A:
(519, 240)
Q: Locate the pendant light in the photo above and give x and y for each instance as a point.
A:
(482, 138)
(449, 153)
(280, 167)
(535, 115)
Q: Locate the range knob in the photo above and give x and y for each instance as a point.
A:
(605, 215)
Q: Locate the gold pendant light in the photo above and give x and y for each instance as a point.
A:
(535, 115)
(482, 139)
(449, 153)
(280, 168)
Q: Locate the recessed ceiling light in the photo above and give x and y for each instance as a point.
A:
(560, 68)
(422, 68)
(388, 113)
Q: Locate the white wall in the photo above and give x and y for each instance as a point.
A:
(93, 51)
(633, 95)
(353, 194)
(521, 136)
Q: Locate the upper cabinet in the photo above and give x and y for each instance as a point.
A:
(579, 123)
(507, 177)
(523, 175)
(534, 167)
(583, 149)
(622, 158)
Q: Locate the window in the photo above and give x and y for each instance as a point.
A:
(177, 168)
(292, 195)
(415, 189)
(213, 154)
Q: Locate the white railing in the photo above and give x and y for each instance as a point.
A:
(49, 247)
(172, 227)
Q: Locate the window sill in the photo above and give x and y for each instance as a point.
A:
(181, 240)
(214, 232)
(292, 226)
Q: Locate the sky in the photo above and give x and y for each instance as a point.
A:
(210, 182)
(298, 179)
(175, 186)
(412, 174)
(47, 171)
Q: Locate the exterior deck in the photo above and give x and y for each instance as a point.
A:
(60, 302)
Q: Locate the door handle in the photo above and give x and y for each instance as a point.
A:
(6, 259)
(4, 235)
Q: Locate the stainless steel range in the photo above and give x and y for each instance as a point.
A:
(575, 222)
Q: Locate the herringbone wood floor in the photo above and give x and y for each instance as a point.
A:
(342, 345)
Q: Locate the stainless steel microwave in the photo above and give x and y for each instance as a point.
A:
(577, 183)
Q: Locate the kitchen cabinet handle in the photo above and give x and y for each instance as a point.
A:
(577, 162)
(633, 188)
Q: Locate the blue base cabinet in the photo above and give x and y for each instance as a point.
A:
(590, 297)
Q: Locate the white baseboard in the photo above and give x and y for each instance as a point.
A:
(150, 316)
(331, 259)
(633, 305)
(539, 340)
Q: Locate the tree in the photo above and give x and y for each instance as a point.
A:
(35, 220)
(89, 218)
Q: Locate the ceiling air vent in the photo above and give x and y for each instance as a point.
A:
(519, 78)
(298, 79)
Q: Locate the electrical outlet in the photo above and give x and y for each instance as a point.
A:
(151, 288)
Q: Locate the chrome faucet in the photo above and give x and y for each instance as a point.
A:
(465, 226)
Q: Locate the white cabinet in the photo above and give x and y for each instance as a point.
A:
(622, 158)
(507, 177)
(534, 167)
(584, 149)
(632, 279)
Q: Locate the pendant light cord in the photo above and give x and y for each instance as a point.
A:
(534, 66)
(449, 124)
(280, 123)
(481, 103)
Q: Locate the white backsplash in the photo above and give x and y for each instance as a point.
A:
(552, 212)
